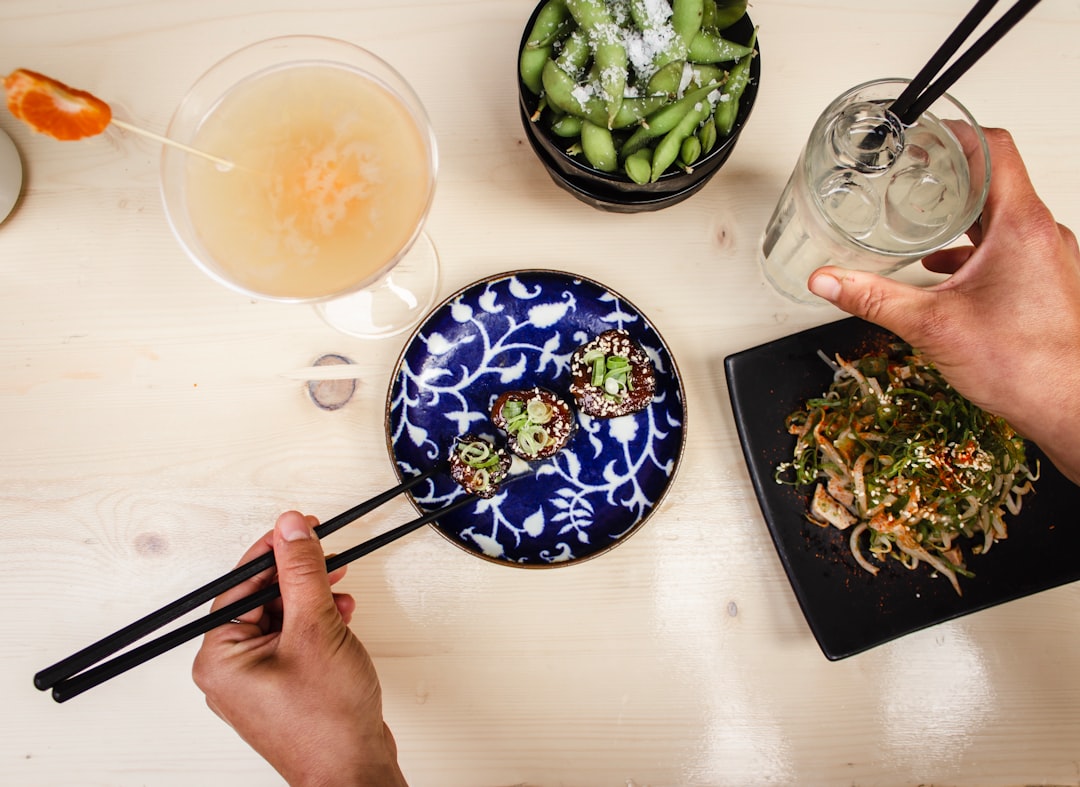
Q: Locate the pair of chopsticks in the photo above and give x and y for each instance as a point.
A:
(76, 673)
(921, 92)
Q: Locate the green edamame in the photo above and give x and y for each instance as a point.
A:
(668, 148)
(728, 12)
(575, 54)
(690, 150)
(551, 21)
(728, 108)
(639, 13)
(568, 126)
(708, 14)
(686, 16)
(531, 67)
(638, 166)
(705, 74)
(598, 146)
(634, 110)
(707, 135)
(710, 47)
(562, 93)
(665, 119)
(609, 52)
(654, 26)
(667, 79)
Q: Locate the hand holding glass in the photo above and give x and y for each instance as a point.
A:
(871, 194)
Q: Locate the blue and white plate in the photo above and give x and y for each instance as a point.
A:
(515, 331)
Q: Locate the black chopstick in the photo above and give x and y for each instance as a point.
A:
(77, 684)
(921, 93)
(92, 654)
(977, 13)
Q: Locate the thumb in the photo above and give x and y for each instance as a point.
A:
(896, 306)
(307, 601)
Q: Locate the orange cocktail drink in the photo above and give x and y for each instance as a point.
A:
(333, 170)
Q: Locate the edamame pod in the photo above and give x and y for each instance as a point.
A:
(651, 21)
(639, 13)
(668, 148)
(711, 48)
(575, 54)
(568, 126)
(665, 119)
(668, 79)
(638, 166)
(706, 74)
(550, 22)
(609, 52)
(562, 93)
(598, 146)
(686, 18)
(728, 108)
(707, 137)
(531, 67)
(708, 14)
(633, 110)
(690, 151)
(728, 12)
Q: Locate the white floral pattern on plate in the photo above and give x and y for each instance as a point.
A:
(515, 331)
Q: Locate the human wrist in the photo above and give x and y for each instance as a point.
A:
(1054, 425)
(367, 761)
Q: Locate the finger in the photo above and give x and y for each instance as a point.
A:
(245, 588)
(1010, 185)
(346, 606)
(975, 232)
(337, 574)
(896, 306)
(948, 260)
(233, 632)
(1069, 237)
(308, 608)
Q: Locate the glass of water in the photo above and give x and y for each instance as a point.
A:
(869, 193)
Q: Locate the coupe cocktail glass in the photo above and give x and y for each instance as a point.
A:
(333, 167)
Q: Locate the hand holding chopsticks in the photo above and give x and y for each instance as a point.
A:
(67, 679)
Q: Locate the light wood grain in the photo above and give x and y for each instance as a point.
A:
(150, 434)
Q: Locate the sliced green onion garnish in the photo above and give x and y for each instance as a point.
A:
(518, 421)
(532, 439)
(613, 386)
(511, 409)
(539, 411)
(598, 371)
(477, 454)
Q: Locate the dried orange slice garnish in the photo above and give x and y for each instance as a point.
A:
(53, 108)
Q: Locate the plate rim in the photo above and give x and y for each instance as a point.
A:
(572, 277)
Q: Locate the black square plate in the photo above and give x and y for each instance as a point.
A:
(849, 610)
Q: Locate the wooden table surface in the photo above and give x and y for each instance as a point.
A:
(149, 435)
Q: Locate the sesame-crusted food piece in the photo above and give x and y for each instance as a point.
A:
(478, 465)
(611, 376)
(538, 424)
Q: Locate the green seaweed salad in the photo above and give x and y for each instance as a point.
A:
(898, 456)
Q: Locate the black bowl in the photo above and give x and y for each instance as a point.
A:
(615, 191)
